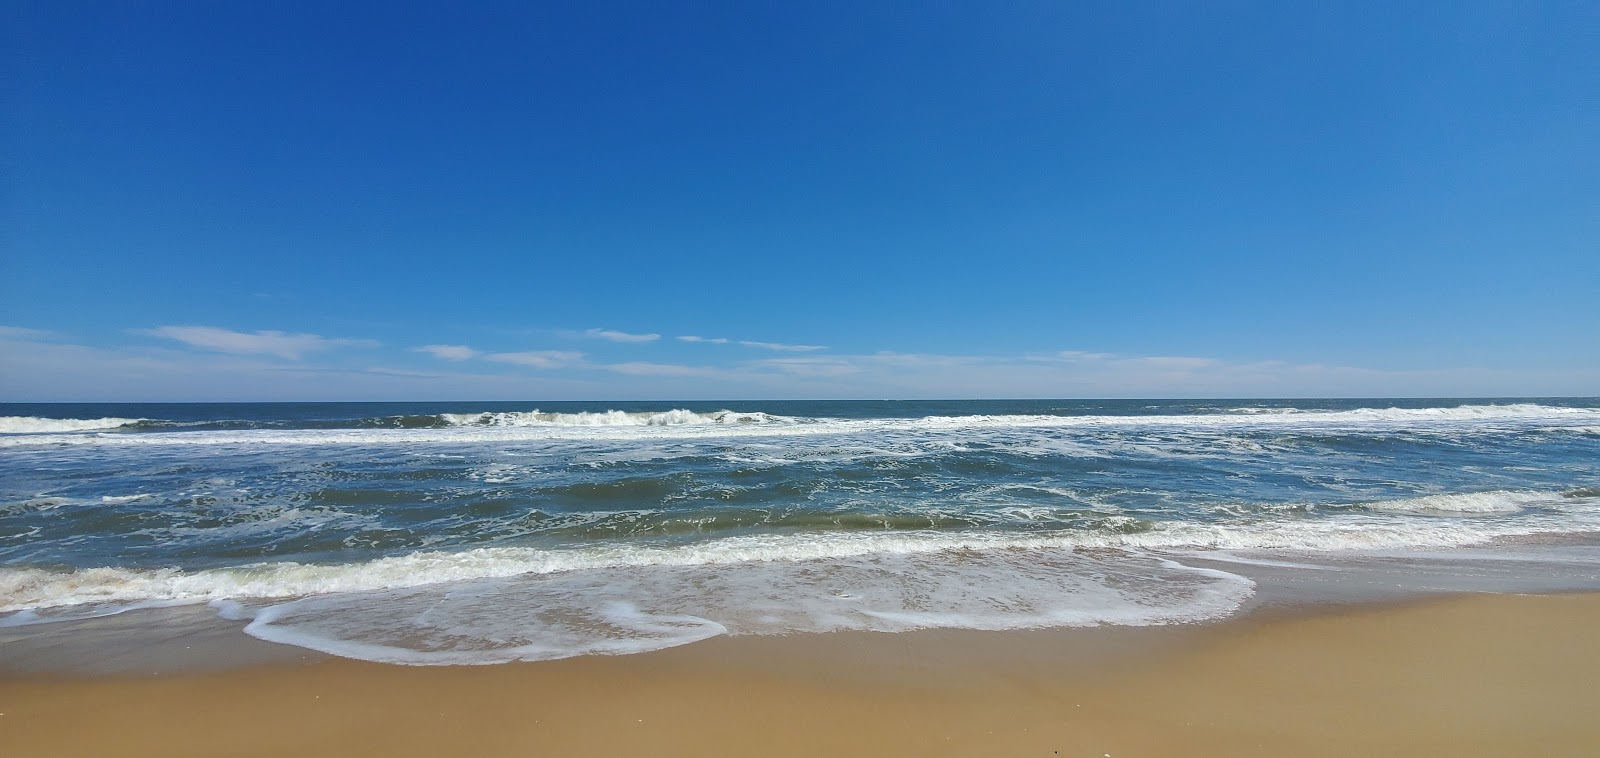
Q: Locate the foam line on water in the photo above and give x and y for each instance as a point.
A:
(618, 611)
(1354, 529)
(37, 425)
(675, 417)
(1474, 502)
(84, 613)
(473, 428)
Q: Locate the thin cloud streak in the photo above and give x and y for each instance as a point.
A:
(24, 333)
(639, 368)
(447, 352)
(778, 346)
(816, 367)
(39, 370)
(782, 347)
(268, 342)
(35, 366)
(539, 358)
(612, 335)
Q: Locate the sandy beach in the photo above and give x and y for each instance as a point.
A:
(1461, 676)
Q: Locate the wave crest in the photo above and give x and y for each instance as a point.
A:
(38, 425)
(676, 417)
(35, 588)
(1467, 503)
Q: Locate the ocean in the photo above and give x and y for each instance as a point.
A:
(474, 532)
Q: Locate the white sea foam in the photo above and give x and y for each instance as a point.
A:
(500, 604)
(496, 604)
(1291, 417)
(260, 520)
(1474, 502)
(616, 610)
(37, 425)
(618, 425)
(82, 612)
(34, 505)
(676, 417)
(32, 588)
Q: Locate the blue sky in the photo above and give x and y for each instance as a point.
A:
(217, 201)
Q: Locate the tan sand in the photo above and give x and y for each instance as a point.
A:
(1499, 675)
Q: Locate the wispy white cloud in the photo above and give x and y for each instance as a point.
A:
(539, 358)
(275, 343)
(42, 366)
(1174, 362)
(56, 371)
(1070, 374)
(1158, 362)
(613, 335)
(24, 333)
(405, 372)
(820, 366)
(447, 352)
(779, 346)
(782, 347)
(1079, 355)
(638, 368)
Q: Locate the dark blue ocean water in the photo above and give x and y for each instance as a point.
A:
(476, 532)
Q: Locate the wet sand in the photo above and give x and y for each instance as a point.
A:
(1475, 675)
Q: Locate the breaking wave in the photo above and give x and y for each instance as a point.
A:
(36, 588)
(1476, 502)
(675, 417)
(622, 425)
(36, 425)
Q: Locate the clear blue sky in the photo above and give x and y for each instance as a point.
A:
(427, 201)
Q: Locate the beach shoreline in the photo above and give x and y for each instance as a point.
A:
(1471, 674)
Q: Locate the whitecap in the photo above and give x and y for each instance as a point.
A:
(37, 425)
